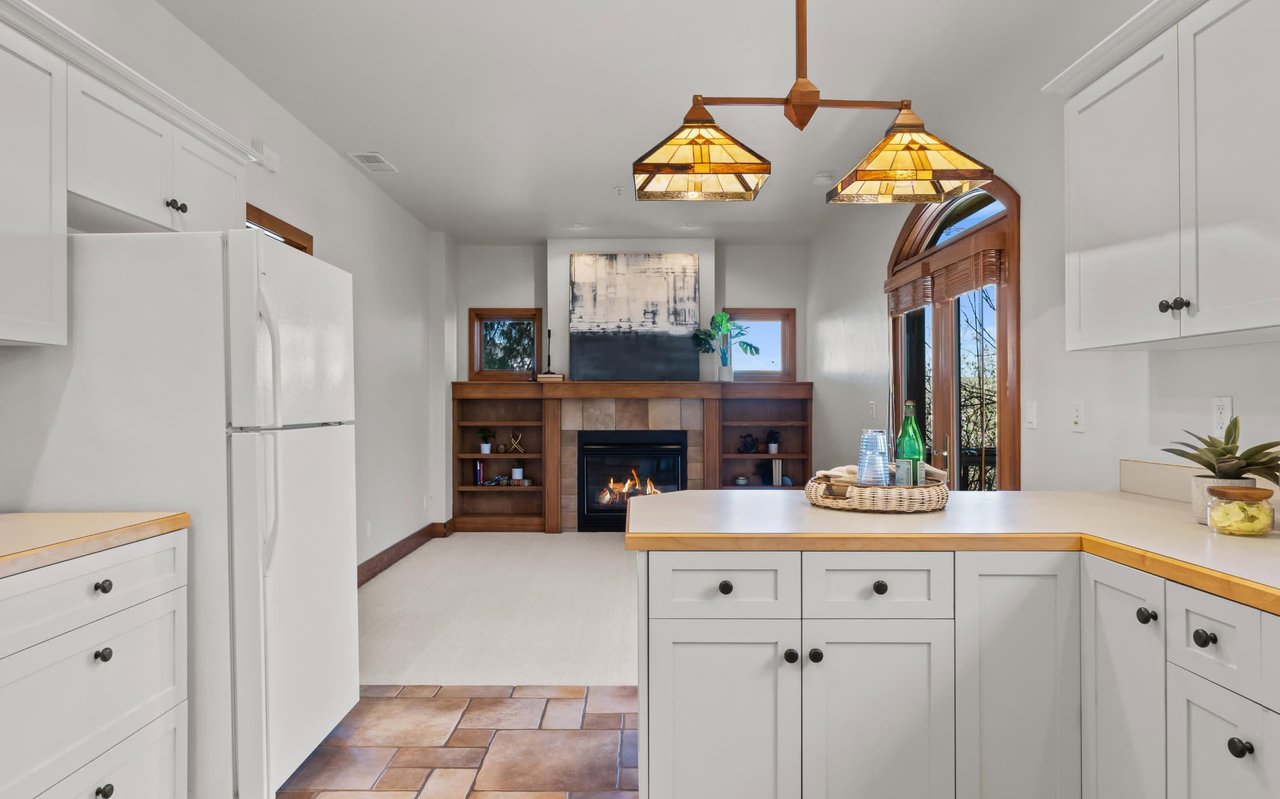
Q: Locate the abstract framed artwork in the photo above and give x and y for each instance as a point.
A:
(632, 316)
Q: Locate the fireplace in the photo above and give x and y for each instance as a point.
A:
(616, 465)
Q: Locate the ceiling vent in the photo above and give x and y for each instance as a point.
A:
(373, 162)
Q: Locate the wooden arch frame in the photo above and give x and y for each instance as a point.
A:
(913, 265)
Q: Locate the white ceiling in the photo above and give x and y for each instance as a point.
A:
(513, 120)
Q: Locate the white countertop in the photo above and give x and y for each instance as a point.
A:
(32, 540)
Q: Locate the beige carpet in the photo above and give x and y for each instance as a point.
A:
(503, 609)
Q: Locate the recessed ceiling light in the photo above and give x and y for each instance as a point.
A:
(823, 179)
(690, 226)
(577, 226)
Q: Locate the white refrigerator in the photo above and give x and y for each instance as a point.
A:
(213, 373)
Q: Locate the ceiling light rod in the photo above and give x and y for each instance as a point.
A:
(892, 105)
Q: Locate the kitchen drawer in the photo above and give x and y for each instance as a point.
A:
(1219, 744)
(1216, 638)
(879, 585)
(62, 704)
(1271, 662)
(150, 764)
(45, 603)
(724, 585)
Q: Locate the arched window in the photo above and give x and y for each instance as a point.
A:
(953, 308)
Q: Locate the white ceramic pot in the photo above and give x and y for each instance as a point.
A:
(724, 374)
(773, 449)
(485, 449)
(1200, 485)
(517, 474)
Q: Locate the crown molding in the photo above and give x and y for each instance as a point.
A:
(1154, 19)
(78, 51)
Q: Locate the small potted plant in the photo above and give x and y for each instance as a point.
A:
(486, 437)
(773, 438)
(517, 471)
(720, 338)
(1226, 464)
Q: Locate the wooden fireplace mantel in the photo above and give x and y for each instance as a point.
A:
(534, 411)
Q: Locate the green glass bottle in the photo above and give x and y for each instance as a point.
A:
(910, 445)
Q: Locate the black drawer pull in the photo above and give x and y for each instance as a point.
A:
(815, 655)
(791, 656)
(105, 791)
(103, 586)
(1239, 748)
(104, 654)
(1204, 638)
(726, 587)
(880, 587)
(1146, 616)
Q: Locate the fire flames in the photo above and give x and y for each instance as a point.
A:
(616, 492)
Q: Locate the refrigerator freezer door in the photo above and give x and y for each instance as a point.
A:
(294, 550)
(291, 345)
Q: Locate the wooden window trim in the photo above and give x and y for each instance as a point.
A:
(295, 237)
(910, 260)
(787, 316)
(477, 317)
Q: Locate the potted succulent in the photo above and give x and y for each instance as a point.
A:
(720, 338)
(1227, 465)
(486, 437)
(773, 438)
(517, 471)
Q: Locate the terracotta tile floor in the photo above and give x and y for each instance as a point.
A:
(477, 742)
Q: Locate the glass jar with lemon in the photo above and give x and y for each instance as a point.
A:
(1240, 510)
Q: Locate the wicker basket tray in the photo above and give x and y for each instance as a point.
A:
(877, 499)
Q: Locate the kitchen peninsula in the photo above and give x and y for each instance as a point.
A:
(953, 654)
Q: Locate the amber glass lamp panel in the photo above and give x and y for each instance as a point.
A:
(700, 162)
(910, 165)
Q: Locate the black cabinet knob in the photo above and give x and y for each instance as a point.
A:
(1203, 638)
(1239, 748)
(726, 587)
(103, 586)
(106, 791)
(815, 655)
(104, 654)
(1165, 306)
(182, 208)
(791, 656)
(1146, 616)
(171, 204)
(1179, 303)
(880, 587)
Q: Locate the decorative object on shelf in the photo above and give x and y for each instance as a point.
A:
(720, 338)
(1240, 510)
(700, 161)
(486, 437)
(787, 481)
(515, 446)
(873, 458)
(764, 470)
(517, 471)
(741, 480)
(1227, 465)
(502, 449)
(749, 444)
(630, 315)
(479, 473)
(774, 439)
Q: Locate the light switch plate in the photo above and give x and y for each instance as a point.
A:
(1029, 415)
(1221, 416)
(1077, 417)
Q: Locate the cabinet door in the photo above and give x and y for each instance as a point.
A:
(1230, 115)
(210, 184)
(1122, 640)
(119, 154)
(879, 709)
(1121, 138)
(33, 192)
(724, 709)
(1206, 723)
(1017, 675)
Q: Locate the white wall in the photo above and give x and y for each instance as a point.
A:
(768, 276)
(404, 326)
(1183, 385)
(499, 276)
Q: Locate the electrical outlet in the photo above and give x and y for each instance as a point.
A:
(1077, 417)
(872, 411)
(1029, 415)
(1221, 416)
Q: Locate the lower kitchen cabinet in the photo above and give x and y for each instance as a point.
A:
(724, 709)
(879, 708)
(1123, 657)
(1017, 675)
(1220, 744)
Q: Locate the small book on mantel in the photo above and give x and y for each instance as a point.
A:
(550, 377)
(777, 471)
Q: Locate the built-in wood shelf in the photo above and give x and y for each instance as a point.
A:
(768, 456)
(501, 423)
(765, 423)
(500, 456)
(495, 489)
(488, 522)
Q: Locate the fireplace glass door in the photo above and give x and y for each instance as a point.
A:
(610, 475)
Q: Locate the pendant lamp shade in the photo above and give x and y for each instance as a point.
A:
(910, 165)
(700, 162)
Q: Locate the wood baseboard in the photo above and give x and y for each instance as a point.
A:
(383, 560)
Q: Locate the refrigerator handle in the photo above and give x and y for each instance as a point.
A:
(273, 525)
(273, 333)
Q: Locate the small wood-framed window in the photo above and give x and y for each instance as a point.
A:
(773, 330)
(506, 343)
(278, 229)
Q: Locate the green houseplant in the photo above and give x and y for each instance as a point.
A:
(486, 437)
(1226, 463)
(721, 337)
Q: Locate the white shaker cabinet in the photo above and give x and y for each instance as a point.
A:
(1220, 744)
(879, 708)
(1230, 115)
(208, 184)
(33, 206)
(1121, 138)
(724, 709)
(1123, 624)
(1017, 675)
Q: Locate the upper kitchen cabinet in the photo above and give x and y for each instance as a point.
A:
(33, 207)
(131, 169)
(1173, 235)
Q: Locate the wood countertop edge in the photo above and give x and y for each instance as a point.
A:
(28, 559)
(1246, 592)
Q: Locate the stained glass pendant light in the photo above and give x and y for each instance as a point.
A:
(910, 165)
(700, 162)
